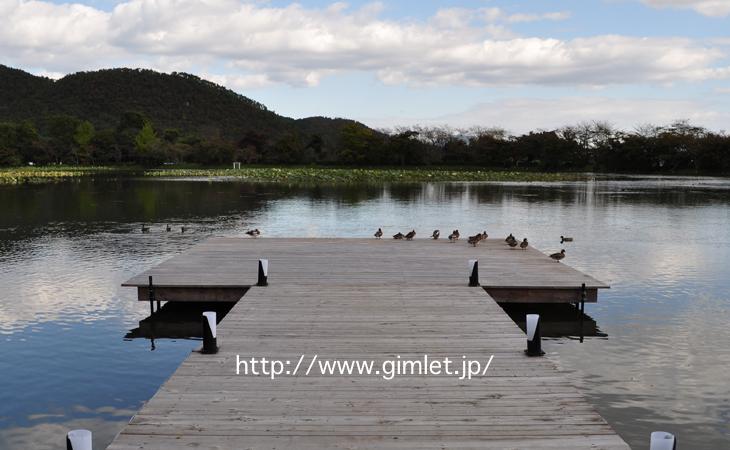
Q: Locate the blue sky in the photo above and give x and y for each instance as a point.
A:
(520, 65)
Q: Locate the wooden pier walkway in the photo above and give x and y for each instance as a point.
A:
(354, 299)
(222, 268)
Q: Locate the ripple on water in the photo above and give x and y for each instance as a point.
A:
(662, 243)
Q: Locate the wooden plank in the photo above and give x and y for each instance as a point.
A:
(521, 402)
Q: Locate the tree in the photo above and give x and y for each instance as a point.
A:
(147, 146)
(83, 136)
(104, 147)
(129, 126)
(61, 134)
(29, 143)
(356, 140)
(9, 155)
(713, 154)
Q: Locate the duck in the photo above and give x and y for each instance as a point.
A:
(513, 243)
(558, 256)
(509, 238)
(484, 234)
(524, 244)
(454, 236)
(411, 234)
(436, 234)
(564, 239)
(378, 234)
(253, 233)
(398, 236)
(145, 229)
(474, 240)
(168, 228)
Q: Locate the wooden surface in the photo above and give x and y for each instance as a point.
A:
(521, 402)
(375, 300)
(221, 262)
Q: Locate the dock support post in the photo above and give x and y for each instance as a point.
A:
(210, 341)
(661, 440)
(582, 309)
(151, 291)
(263, 272)
(78, 440)
(473, 273)
(534, 341)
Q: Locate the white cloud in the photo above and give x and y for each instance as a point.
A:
(252, 44)
(520, 115)
(464, 16)
(711, 8)
(518, 18)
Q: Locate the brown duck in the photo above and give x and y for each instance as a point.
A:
(558, 256)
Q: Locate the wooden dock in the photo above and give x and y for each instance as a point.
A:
(223, 268)
(353, 299)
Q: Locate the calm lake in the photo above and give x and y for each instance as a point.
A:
(663, 244)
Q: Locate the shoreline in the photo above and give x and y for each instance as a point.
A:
(303, 174)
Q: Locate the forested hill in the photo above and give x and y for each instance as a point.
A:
(178, 100)
(21, 94)
(178, 104)
(128, 116)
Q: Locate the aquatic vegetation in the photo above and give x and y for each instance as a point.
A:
(318, 175)
(362, 175)
(44, 174)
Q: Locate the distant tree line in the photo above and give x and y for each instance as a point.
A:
(677, 148)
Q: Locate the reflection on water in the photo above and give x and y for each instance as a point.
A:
(556, 320)
(662, 243)
(181, 320)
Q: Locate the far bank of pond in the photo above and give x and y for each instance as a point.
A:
(334, 175)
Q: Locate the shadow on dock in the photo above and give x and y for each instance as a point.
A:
(556, 320)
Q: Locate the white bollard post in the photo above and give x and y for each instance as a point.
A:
(78, 440)
(263, 272)
(534, 341)
(473, 273)
(661, 440)
(210, 341)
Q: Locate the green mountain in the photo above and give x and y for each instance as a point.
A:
(169, 101)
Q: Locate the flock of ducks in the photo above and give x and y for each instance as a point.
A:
(477, 238)
(512, 241)
(453, 237)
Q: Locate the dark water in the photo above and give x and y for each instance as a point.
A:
(663, 244)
